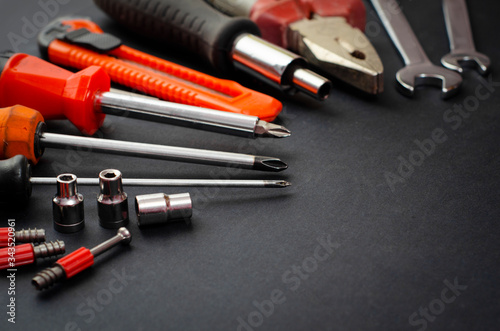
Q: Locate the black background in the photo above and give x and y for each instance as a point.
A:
(393, 250)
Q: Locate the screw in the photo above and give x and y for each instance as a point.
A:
(30, 235)
(77, 261)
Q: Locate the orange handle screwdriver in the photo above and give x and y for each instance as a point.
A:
(22, 132)
(84, 98)
(79, 43)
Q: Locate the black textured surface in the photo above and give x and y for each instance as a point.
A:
(392, 253)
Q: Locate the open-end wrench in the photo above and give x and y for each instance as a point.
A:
(463, 52)
(418, 68)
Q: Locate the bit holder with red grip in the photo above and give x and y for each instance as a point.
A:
(15, 256)
(76, 262)
(78, 42)
(84, 98)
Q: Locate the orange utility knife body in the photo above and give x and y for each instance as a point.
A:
(80, 43)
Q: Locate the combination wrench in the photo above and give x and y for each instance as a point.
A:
(463, 52)
(418, 69)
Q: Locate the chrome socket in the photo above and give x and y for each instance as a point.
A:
(112, 202)
(67, 205)
(159, 208)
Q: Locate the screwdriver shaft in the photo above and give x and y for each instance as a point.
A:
(164, 152)
(174, 182)
(146, 108)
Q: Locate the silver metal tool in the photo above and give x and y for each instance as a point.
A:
(112, 201)
(264, 183)
(202, 156)
(67, 205)
(463, 52)
(123, 236)
(278, 66)
(335, 47)
(132, 105)
(159, 208)
(418, 70)
(329, 43)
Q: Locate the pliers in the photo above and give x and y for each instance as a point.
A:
(328, 33)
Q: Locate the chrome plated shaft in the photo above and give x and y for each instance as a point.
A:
(278, 66)
(151, 109)
(164, 152)
(123, 236)
(175, 182)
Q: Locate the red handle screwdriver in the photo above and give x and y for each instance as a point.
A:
(76, 262)
(85, 97)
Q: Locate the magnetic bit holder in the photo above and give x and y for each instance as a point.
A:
(67, 205)
(112, 202)
(159, 208)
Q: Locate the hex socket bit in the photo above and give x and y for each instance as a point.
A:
(159, 208)
(112, 201)
(67, 205)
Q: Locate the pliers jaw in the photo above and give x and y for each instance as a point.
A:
(338, 49)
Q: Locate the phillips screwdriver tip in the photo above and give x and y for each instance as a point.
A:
(266, 129)
(265, 163)
(280, 183)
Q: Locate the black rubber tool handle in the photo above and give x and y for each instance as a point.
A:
(192, 24)
(15, 174)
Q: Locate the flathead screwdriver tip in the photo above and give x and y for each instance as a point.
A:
(266, 129)
(265, 163)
